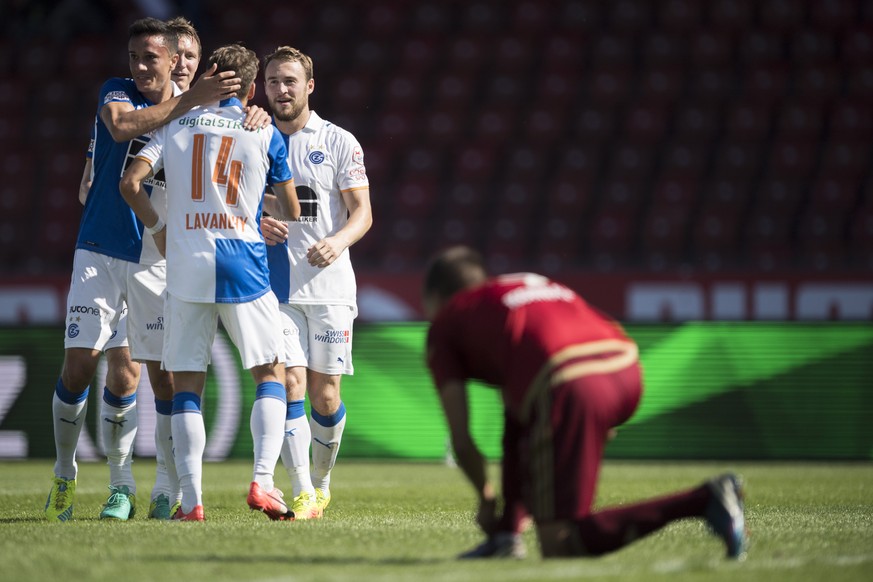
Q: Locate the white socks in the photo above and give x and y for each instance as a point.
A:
(295, 448)
(166, 479)
(327, 433)
(68, 417)
(267, 423)
(118, 423)
(189, 440)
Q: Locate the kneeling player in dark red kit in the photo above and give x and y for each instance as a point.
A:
(567, 375)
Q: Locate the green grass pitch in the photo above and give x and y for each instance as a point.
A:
(407, 521)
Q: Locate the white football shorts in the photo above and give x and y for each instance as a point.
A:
(318, 337)
(101, 289)
(190, 331)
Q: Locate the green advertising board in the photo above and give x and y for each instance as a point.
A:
(712, 391)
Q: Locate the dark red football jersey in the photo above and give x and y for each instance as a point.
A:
(505, 330)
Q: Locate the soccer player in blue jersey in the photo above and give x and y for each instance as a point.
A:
(217, 266)
(311, 273)
(116, 265)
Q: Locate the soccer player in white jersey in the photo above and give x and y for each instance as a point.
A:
(311, 274)
(217, 266)
(116, 263)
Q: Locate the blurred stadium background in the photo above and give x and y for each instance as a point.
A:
(672, 160)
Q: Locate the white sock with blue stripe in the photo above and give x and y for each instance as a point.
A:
(327, 433)
(68, 417)
(295, 448)
(189, 442)
(118, 424)
(267, 425)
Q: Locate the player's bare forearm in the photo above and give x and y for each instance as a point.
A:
(286, 196)
(329, 249)
(453, 397)
(133, 193)
(85, 184)
(125, 123)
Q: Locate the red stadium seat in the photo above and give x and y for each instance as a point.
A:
(851, 119)
(834, 194)
(609, 85)
(661, 85)
(711, 48)
(833, 14)
(530, 18)
(799, 120)
(782, 15)
(783, 197)
(711, 85)
(792, 159)
(543, 126)
(595, 124)
(632, 162)
(495, 125)
(512, 54)
(474, 162)
(731, 15)
(444, 126)
(504, 90)
(748, 121)
(480, 17)
(766, 84)
(684, 160)
(846, 159)
(660, 48)
(677, 16)
(525, 164)
(857, 46)
(645, 123)
(568, 200)
(562, 52)
(631, 16)
(612, 50)
(813, 47)
(859, 82)
(737, 161)
(697, 123)
(403, 90)
(757, 48)
(817, 83)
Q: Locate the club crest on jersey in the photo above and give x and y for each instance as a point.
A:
(73, 330)
(316, 157)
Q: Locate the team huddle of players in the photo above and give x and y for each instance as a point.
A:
(172, 237)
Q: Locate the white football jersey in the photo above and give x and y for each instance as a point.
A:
(325, 160)
(215, 173)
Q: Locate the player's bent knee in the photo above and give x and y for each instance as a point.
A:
(560, 538)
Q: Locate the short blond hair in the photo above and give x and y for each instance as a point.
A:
(287, 54)
(183, 27)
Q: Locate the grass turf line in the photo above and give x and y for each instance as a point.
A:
(407, 521)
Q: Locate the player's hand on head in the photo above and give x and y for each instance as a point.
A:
(275, 231)
(212, 86)
(256, 118)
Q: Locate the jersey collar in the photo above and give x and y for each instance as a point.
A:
(314, 123)
(230, 102)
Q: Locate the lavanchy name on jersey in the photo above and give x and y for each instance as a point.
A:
(211, 220)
